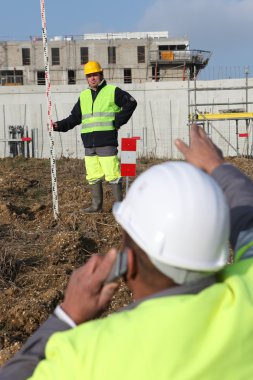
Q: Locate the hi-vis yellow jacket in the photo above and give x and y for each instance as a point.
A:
(98, 117)
(114, 100)
(100, 114)
(204, 336)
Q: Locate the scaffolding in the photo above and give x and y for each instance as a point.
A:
(207, 119)
(178, 61)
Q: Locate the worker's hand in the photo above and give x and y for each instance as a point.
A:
(86, 295)
(115, 124)
(202, 152)
(54, 125)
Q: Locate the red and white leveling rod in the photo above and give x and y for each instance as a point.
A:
(49, 107)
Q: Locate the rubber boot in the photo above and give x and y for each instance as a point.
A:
(97, 198)
(117, 191)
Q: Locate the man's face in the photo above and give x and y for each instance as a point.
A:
(94, 79)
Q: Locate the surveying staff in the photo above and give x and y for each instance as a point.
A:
(102, 109)
(192, 315)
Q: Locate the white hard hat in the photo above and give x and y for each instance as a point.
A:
(179, 216)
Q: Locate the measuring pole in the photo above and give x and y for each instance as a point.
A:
(247, 102)
(49, 107)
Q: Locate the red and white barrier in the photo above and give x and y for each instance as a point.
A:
(128, 156)
(22, 139)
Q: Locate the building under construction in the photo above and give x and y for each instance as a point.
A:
(160, 72)
(125, 57)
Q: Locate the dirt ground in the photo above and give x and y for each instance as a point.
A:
(38, 254)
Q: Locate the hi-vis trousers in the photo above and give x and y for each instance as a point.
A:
(102, 162)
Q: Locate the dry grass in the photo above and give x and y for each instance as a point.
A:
(37, 254)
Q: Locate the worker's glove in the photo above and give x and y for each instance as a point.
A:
(117, 127)
(55, 126)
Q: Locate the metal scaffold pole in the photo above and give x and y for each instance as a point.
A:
(247, 108)
(207, 118)
(49, 107)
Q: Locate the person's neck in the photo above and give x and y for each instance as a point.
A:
(142, 290)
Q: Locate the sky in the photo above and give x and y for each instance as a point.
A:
(225, 27)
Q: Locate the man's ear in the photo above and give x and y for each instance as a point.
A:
(132, 267)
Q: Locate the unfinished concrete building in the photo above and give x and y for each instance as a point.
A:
(125, 57)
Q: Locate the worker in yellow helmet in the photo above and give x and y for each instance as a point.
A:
(192, 313)
(101, 109)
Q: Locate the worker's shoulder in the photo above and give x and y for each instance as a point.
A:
(122, 94)
(243, 269)
(85, 90)
(110, 86)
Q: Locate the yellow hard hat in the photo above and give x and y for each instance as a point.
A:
(92, 67)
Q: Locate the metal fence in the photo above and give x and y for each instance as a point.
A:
(213, 72)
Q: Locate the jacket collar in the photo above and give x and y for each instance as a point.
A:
(193, 288)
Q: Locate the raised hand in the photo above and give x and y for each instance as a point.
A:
(202, 152)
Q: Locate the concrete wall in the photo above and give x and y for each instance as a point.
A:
(161, 116)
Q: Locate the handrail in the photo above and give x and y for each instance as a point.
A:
(170, 56)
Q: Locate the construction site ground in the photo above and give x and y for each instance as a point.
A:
(38, 253)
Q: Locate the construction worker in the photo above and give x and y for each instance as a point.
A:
(192, 314)
(102, 109)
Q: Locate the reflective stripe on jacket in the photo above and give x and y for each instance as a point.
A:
(100, 114)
